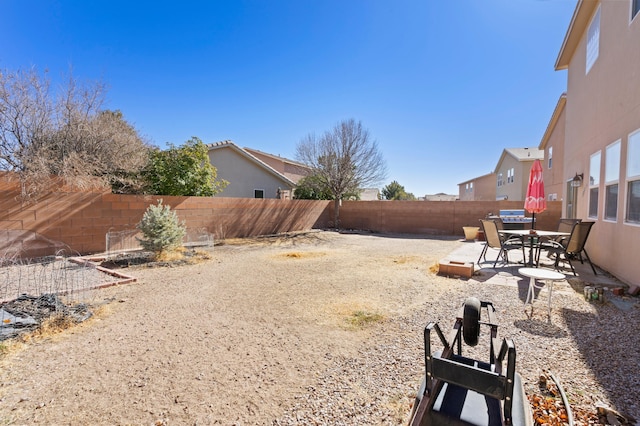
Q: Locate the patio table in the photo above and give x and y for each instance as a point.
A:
(544, 275)
(526, 234)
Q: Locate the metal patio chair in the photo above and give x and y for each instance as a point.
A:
(564, 225)
(496, 241)
(573, 247)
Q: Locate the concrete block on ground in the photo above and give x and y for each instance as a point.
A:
(455, 268)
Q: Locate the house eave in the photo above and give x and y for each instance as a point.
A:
(250, 157)
(562, 101)
(476, 178)
(579, 22)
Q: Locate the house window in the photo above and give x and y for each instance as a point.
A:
(550, 157)
(510, 174)
(611, 177)
(633, 178)
(635, 8)
(594, 184)
(593, 40)
(500, 179)
(258, 193)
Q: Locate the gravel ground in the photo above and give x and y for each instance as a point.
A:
(261, 334)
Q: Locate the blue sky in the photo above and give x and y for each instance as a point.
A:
(442, 85)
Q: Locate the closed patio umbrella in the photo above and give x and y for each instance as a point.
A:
(535, 201)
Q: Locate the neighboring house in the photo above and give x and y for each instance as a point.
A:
(512, 172)
(482, 188)
(441, 196)
(601, 53)
(296, 171)
(289, 168)
(552, 144)
(370, 194)
(248, 176)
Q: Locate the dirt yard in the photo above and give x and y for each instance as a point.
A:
(317, 328)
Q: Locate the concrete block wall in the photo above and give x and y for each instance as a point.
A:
(78, 222)
(432, 217)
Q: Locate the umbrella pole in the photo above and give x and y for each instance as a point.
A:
(533, 226)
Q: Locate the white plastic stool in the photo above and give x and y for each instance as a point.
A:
(540, 274)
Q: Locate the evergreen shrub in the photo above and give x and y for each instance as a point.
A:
(161, 229)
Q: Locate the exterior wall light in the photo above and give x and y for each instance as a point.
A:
(576, 182)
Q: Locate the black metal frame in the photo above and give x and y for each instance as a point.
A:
(449, 367)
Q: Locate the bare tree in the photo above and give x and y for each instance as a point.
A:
(344, 160)
(66, 135)
(26, 111)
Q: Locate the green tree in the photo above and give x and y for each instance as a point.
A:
(395, 191)
(310, 188)
(184, 170)
(343, 160)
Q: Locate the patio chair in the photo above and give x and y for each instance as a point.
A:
(564, 225)
(573, 247)
(496, 241)
(500, 224)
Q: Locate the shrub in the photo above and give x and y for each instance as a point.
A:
(161, 229)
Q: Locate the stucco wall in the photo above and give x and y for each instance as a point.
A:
(292, 171)
(554, 179)
(243, 175)
(603, 107)
(484, 189)
(516, 190)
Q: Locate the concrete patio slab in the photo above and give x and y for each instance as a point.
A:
(507, 273)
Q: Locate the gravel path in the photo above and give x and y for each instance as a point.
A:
(261, 335)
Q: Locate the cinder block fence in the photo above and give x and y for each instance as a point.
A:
(79, 221)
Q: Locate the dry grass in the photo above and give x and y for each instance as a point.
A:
(406, 259)
(300, 255)
(170, 255)
(353, 315)
(10, 346)
(50, 328)
(182, 254)
(360, 319)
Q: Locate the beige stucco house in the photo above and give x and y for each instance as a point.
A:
(552, 144)
(601, 53)
(440, 196)
(289, 168)
(248, 176)
(512, 172)
(482, 188)
(369, 194)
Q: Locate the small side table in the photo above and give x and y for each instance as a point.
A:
(543, 275)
